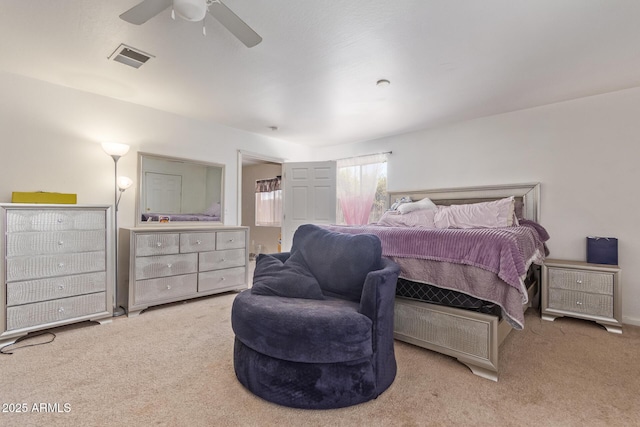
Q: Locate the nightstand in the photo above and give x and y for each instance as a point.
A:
(581, 290)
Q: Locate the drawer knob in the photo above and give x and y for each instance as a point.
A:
(231, 240)
(222, 260)
(61, 287)
(169, 265)
(61, 265)
(222, 279)
(59, 220)
(60, 243)
(198, 242)
(61, 310)
(168, 287)
(579, 282)
(578, 302)
(159, 244)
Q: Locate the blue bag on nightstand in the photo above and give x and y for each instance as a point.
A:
(602, 250)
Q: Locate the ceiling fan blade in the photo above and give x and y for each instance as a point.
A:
(235, 25)
(142, 12)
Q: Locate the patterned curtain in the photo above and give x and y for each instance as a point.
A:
(268, 185)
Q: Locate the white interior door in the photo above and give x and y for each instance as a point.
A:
(163, 193)
(309, 197)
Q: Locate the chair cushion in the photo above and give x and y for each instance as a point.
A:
(289, 279)
(302, 330)
(340, 262)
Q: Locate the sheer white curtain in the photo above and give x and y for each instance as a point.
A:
(268, 202)
(358, 179)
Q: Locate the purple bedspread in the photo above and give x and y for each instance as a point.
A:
(507, 252)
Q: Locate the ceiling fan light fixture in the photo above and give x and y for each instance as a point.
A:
(191, 10)
(194, 11)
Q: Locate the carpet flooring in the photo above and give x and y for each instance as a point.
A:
(172, 366)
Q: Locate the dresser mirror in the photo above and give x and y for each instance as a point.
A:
(179, 191)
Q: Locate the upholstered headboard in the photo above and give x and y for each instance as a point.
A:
(526, 195)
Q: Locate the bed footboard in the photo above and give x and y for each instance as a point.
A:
(472, 338)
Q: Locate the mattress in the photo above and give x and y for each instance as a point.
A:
(435, 295)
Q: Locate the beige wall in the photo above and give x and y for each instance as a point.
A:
(265, 236)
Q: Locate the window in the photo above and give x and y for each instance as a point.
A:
(362, 189)
(268, 202)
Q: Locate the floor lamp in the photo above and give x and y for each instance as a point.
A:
(117, 150)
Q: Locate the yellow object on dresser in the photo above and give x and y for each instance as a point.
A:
(43, 197)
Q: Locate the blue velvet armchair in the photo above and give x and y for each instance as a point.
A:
(316, 329)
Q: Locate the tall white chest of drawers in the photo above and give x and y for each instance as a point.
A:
(56, 267)
(159, 265)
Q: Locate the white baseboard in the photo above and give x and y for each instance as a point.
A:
(630, 321)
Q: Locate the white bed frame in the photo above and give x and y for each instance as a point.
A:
(472, 338)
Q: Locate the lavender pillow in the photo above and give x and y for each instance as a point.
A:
(499, 213)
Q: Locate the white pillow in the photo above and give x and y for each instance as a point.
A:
(420, 218)
(499, 213)
(425, 203)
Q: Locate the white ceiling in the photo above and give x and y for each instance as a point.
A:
(314, 74)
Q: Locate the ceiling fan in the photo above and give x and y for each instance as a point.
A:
(194, 11)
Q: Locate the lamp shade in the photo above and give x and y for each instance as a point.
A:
(115, 148)
(190, 10)
(124, 182)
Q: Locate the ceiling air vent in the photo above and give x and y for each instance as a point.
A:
(130, 56)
